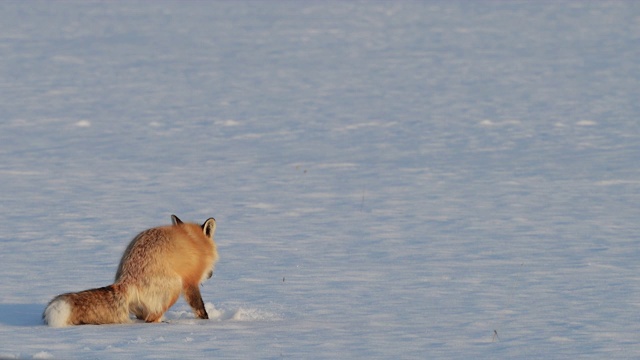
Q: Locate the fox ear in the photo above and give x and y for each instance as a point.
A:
(175, 220)
(209, 227)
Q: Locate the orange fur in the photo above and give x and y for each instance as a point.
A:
(158, 265)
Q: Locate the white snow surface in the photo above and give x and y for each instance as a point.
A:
(393, 179)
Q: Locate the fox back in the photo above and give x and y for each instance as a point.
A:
(184, 249)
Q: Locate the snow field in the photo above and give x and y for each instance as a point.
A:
(390, 180)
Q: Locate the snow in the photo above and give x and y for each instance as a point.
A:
(390, 179)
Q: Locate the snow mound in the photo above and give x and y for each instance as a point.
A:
(43, 355)
(232, 314)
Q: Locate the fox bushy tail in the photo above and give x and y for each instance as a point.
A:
(105, 305)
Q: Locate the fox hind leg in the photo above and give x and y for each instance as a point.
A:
(156, 316)
(153, 318)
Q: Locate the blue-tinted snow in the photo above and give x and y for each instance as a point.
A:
(390, 179)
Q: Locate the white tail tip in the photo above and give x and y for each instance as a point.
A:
(57, 313)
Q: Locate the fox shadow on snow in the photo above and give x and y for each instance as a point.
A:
(21, 314)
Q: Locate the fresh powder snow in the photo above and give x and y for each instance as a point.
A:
(390, 179)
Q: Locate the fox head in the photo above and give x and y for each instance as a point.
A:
(208, 228)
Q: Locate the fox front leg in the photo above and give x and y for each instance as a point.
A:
(194, 299)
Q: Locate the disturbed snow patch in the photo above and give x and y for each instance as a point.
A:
(237, 314)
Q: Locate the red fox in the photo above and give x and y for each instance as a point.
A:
(158, 265)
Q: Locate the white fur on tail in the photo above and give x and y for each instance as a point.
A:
(57, 313)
